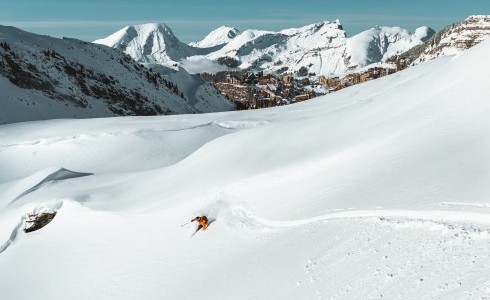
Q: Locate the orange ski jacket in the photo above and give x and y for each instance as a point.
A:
(203, 221)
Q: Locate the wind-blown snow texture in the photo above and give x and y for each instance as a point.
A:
(322, 48)
(378, 190)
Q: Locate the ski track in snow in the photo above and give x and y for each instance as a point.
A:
(237, 216)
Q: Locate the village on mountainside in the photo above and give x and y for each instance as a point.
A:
(254, 90)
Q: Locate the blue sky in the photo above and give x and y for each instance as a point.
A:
(191, 19)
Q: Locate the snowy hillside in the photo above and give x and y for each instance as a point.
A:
(379, 190)
(451, 40)
(217, 37)
(321, 48)
(44, 78)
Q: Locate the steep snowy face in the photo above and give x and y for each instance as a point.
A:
(217, 37)
(379, 43)
(150, 43)
(451, 40)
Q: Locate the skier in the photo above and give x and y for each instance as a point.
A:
(203, 222)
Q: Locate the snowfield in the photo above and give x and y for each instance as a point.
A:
(380, 190)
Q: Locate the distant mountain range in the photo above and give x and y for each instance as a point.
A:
(321, 48)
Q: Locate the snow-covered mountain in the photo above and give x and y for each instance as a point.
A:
(382, 43)
(155, 46)
(321, 48)
(150, 43)
(217, 37)
(451, 40)
(43, 78)
(378, 191)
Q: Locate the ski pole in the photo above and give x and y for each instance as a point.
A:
(185, 224)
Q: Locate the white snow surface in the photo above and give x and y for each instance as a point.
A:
(376, 191)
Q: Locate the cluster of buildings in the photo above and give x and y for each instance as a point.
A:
(255, 90)
(337, 83)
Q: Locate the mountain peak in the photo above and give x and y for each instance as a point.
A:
(219, 36)
(150, 43)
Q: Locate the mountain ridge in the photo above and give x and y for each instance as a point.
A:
(322, 48)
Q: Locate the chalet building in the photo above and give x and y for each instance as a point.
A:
(269, 79)
(232, 79)
(329, 82)
(287, 79)
(353, 78)
(322, 80)
(401, 63)
(302, 97)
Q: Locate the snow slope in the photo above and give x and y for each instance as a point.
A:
(377, 191)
